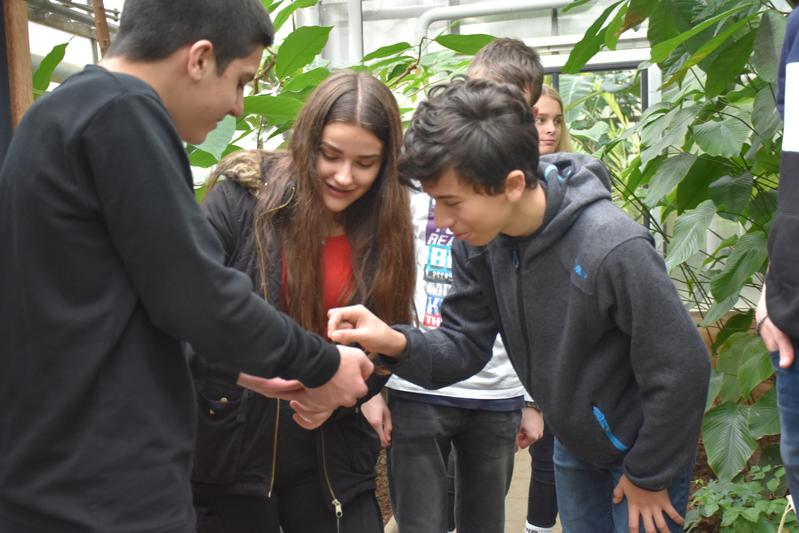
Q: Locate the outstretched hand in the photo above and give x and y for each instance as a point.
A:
(647, 506)
(377, 413)
(358, 325)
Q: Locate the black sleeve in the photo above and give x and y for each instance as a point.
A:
(462, 344)
(172, 257)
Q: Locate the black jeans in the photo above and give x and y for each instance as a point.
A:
(542, 502)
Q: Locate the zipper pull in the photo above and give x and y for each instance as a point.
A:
(514, 256)
(337, 505)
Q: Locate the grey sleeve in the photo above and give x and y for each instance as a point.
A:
(462, 344)
(668, 358)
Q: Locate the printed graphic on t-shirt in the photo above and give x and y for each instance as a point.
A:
(437, 268)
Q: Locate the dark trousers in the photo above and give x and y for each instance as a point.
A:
(542, 501)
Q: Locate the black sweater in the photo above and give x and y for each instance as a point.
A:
(107, 264)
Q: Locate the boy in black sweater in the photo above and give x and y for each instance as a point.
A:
(589, 317)
(109, 264)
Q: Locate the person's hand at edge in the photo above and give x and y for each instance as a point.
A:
(773, 337)
(531, 428)
(269, 387)
(647, 506)
(358, 325)
(377, 413)
(309, 419)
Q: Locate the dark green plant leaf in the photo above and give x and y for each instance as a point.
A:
(714, 387)
(386, 51)
(693, 189)
(689, 233)
(590, 44)
(663, 49)
(665, 22)
(730, 389)
(667, 131)
(285, 13)
(718, 310)
(765, 118)
(276, 109)
(300, 48)
(732, 193)
(202, 159)
(728, 65)
(708, 48)
(727, 439)
(575, 4)
(738, 323)
(43, 74)
(723, 138)
(755, 365)
(637, 11)
(748, 256)
(216, 141)
(764, 418)
(768, 45)
(464, 44)
(613, 30)
(312, 78)
(763, 206)
(667, 176)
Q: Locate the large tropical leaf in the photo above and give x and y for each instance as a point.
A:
(300, 48)
(43, 74)
(732, 194)
(728, 441)
(386, 51)
(768, 45)
(285, 13)
(663, 49)
(755, 364)
(764, 418)
(276, 109)
(728, 65)
(589, 45)
(465, 44)
(667, 176)
(216, 141)
(748, 257)
(689, 233)
(723, 138)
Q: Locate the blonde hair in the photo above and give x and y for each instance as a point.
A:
(565, 142)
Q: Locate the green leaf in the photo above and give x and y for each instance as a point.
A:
(285, 13)
(748, 256)
(689, 233)
(637, 12)
(732, 193)
(730, 389)
(43, 74)
(764, 417)
(728, 441)
(665, 21)
(202, 159)
(667, 176)
(312, 78)
(765, 118)
(276, 109)
(728, 66)
(575, 4)
(663, 49)
(718, 310)
(738, 323)
(216, 141)
(300, 48)
(613, 31)
(755, 365)
(386, 51)
(723, 138)
(714, 388)
(768, 45)
(694, 188)
(708, 48)
(668, 130)
(590, 44)
(464, 44)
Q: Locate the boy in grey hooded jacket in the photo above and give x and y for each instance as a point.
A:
(591, 321)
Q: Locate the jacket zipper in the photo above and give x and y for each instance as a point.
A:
(334, 501)
(274, 448)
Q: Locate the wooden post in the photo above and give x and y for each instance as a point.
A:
(15, 17)
(101, 26)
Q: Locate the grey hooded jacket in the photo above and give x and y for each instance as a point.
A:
(592, 323)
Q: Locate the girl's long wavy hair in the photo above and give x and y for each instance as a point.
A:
(378, 225)
(565, 142)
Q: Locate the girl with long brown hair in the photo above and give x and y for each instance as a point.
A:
(324, 224)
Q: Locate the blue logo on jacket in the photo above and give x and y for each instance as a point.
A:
(578, 269)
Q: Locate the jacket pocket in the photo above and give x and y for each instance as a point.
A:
(221, 424)
(607, 430)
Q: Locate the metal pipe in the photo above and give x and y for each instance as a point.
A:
(355, 27)
(69, 13)
(479, 10)
(391, 13)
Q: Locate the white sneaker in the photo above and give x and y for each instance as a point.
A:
(530, 528)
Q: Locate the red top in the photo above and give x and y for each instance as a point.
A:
(336, 272)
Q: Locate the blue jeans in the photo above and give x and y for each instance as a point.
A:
(788, 405)
(420, 444)
(585, 495)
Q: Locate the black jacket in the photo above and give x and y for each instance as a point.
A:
(236, 434)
